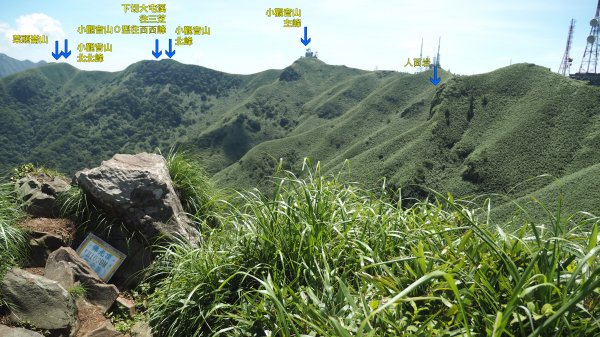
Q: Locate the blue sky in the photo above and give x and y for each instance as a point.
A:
(477, 36)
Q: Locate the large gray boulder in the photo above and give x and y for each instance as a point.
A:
(68, 269)
(38, 193)
(39, 301)
(138, 189)
(6, 331)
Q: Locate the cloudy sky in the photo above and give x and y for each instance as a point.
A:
(477, 36)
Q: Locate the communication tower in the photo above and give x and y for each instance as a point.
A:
(565, 65)
(310, 54)
(589, 64)
(436, 59)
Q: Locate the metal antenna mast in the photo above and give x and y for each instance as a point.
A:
(421, 56)
(589, 64)
(565, 66)
(437, 59)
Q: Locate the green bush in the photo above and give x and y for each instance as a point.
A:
(321, 257)
(22, 171)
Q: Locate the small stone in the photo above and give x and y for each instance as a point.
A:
(141, 329)
(105, 331)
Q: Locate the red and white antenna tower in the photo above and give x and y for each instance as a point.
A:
(565, 65)
(589, 64)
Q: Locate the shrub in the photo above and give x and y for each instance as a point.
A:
(254, 125)
(22, 171)
(471, 112)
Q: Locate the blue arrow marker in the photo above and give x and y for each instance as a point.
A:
(66, 53)
(156, 52)
(305, 40)
(435, 80)
(171, 52)
(56, 54)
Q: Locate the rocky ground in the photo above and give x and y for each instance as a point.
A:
(57, 293)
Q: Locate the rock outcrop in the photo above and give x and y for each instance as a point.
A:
(138, 190)
(45, 236)
(137, 197)
(38, 194)
(39, 301)
(68, 269)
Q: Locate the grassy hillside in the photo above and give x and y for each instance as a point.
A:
(322, 257)
(471, 135)
(9, 66)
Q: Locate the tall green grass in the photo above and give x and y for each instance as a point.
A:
(13, 241)
(192, 185)
(321, 257)
(77, 205)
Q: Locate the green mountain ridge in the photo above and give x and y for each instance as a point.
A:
(470, 135)
(9, 65)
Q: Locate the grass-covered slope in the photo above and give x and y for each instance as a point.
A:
(488, 133)
(469, 135)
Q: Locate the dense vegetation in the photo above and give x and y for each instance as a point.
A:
(323, 257)
(471, 135)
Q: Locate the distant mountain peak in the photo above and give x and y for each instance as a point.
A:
(9, 65)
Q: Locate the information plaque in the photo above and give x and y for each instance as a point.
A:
(102, 257)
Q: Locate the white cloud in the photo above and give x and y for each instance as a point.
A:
(34, 24)
(3, 28)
